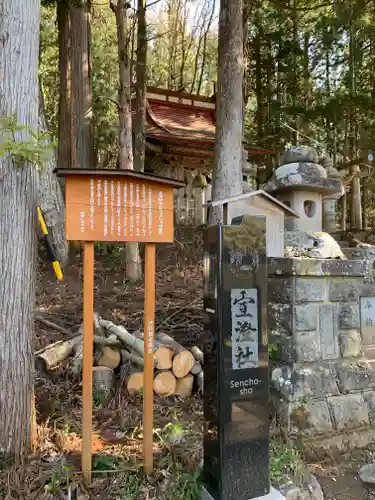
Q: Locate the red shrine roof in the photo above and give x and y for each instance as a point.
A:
(181, 121)
(178, 117)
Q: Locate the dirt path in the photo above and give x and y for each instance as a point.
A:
(340, 480)
(344, 487)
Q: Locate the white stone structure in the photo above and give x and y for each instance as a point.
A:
(302, 185)
(260, 203)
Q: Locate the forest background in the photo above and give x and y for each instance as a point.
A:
(309, 76)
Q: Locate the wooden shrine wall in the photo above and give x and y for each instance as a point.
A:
(188, 201)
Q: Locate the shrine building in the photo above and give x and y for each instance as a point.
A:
(180, 144)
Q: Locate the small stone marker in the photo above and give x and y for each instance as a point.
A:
(236, 464)
(367, 308)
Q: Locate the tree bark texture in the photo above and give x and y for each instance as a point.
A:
(51, 198)
(355, 200)
(227, 173)
(81, 85)
(125, 117)
(64, 158)
(140, 101)
(19, 54)
(133, 261)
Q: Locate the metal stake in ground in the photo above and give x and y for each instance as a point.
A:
(149, 341)
(88, 322)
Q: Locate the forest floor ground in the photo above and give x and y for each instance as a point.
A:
(53, 472)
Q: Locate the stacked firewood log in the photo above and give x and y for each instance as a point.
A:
(178, 371)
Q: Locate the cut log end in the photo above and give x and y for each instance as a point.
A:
(110, 357)
(197, 368)
(197, 353)
(135, 383)
(184, 386)
(163, 358)
(165, 384)
(182, 364)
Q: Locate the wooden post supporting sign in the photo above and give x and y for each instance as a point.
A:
(149, 341)
(88, 352)
(122, 206)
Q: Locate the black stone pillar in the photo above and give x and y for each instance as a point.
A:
(236, 361)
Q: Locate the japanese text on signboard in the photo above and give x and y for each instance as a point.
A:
(110, 209)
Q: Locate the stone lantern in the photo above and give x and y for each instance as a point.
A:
(301, 183)
(330, 199)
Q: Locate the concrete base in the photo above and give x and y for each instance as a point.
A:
(273, 495)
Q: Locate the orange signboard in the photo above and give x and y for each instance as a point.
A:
(124, 207)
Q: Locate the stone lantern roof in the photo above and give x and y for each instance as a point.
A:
(300, 171)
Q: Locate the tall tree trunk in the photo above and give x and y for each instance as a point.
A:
(50, 195)
(133, 261)
(295, 70)
(355, 208)
(81, 84)
(227, 172)
(125, 117)
(65, 104)
(258, 88)
(204, 51)
(174, 11)
(19, 48)
(140, 101)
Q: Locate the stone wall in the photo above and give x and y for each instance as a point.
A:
(322, 382)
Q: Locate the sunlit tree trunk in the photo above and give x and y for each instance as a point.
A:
(133, 261)
(227, 173)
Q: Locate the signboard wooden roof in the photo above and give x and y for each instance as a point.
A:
(118, 205)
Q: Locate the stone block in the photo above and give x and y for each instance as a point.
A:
(280, 290)
(368, 289)
(344, 290)
(356, 375)
(293, 493)
(369, 398)
(280, 317)
(307, 267)
(310, 290)
(311, 418)
(328, 331)
(349, 412)
(306, 489)
(315, 449)
(305, 317)
(349, 316)
(306, 381)
(283, 347)
(354, 268)
(369, 354)
(307, 346)
(350, 344)
(367, 474)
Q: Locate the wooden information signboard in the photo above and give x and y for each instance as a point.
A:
(118, 205)
(131, 207)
